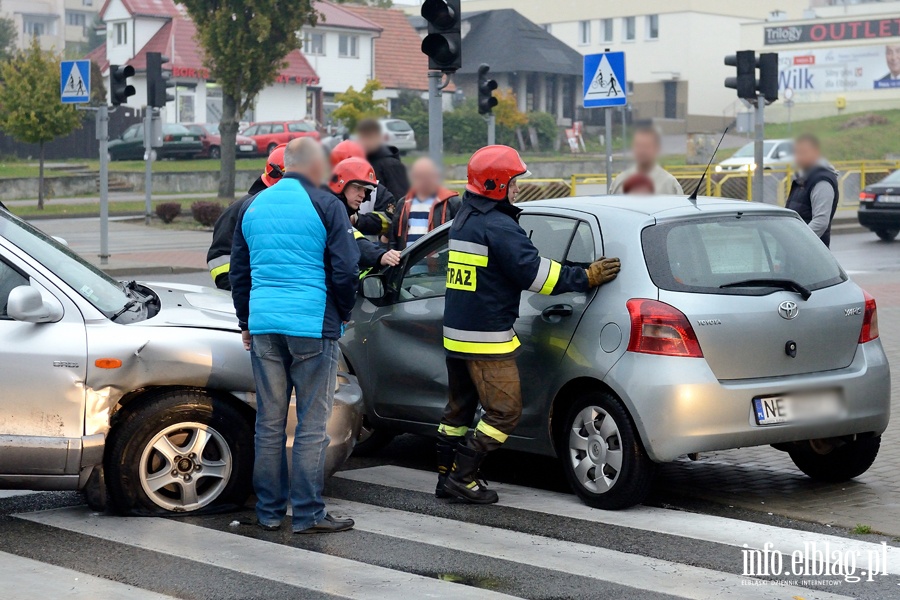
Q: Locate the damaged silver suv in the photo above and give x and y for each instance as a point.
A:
(139, 394)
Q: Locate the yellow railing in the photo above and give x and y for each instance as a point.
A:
(853, 176)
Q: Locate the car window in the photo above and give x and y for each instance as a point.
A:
(301, 127)
(251, 131)
(426, 273)
(131, 132)
(581, 250)
(703, 255)
(195, 129)
(264, 130)
(397, 126)
(175, 129)
(9, 280)
(550, 235)
(892, 178)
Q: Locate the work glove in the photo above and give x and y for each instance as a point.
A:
(603, 271)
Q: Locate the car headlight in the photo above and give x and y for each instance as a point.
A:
(718, 168)
(750, 167)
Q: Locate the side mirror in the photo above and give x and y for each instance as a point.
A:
(373, 287)
(26, 304)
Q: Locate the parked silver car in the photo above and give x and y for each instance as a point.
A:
(730, 325)
(144, 390)
(399, 134)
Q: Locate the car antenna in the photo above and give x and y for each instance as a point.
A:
(693, 196)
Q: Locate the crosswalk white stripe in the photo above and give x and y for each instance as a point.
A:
(630, 570)
(293, 566)
(720, 530)
(26, 579)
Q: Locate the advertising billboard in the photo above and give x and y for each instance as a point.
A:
(838, 70)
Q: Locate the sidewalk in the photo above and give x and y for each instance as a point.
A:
(135, 249)
(113, 197)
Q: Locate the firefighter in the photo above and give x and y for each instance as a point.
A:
(351, 180)
(376, 211)
(491, 262)
(218, 258)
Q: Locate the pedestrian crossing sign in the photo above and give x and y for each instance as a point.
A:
(75, 81)
(604, 80)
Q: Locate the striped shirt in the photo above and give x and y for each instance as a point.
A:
(419, 212)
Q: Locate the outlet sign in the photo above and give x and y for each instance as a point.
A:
(832, 32)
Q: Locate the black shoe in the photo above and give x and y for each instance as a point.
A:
(265, 527)
(329, 525)
(445, 454)
(463, 482)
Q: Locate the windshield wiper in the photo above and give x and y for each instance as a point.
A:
(128, 306)
(785, 284)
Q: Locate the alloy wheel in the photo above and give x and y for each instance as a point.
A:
(595, 449)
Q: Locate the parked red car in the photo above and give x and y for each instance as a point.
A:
(212, 141)
(271, 133)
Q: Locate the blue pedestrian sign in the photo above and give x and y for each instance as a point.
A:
(604, 80)
(75, 81)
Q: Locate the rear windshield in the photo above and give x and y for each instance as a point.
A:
(703, 255)
(398, 126)
(300, 127)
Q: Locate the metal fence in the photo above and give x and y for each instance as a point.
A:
(81, 143)
(853, 176)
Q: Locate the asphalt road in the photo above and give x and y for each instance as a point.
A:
(540, 542)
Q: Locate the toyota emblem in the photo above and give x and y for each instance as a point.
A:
(788, 309)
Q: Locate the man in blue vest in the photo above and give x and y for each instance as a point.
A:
(293, 281)
(814, 191)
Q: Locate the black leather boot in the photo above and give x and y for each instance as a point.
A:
(463, 482)
(445, 453)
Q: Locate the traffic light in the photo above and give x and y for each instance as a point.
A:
(745, 82)
(119, 89)
(443, 44)
(768, 76)
(158, 81)
(486, 87)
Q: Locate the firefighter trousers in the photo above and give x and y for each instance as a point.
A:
(492, 383)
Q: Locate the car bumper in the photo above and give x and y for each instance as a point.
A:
(343, 426)
(404, 145)
(881, 217)
(682, 408)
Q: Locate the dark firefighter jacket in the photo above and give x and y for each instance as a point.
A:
(218, 258)
(491, 262)
(377, 222)
(389, 170)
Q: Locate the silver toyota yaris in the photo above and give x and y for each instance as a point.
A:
(730, 325)
(144, 390)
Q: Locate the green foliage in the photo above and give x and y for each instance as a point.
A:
(414, 111)
(405, 101)
(506, 113)
(30, 110)
(8, 39)
(98, 88)
(96, 33)
(357, 105)
(245, 43)
(545, 126)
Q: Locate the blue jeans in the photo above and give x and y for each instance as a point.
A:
(308, 366)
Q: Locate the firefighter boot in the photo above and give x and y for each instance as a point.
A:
(445, 452)
(463, 482)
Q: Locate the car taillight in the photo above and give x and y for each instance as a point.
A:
(869, 329)
(658, 328)
(866, 197)
(169, 138)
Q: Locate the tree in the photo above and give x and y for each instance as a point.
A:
(357, 105)
(30, 110)
(245, 44)
(98, 88)
(96, 33)
(8, 39)
(507, 111)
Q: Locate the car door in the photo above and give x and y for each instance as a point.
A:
(42, 396)
(133, 143)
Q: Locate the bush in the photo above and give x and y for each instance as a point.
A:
(206, 213)
(168, 211)
(545, 126)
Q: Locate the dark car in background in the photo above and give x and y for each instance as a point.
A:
(212, 141)
(178, 142)
(879, 207)
(269, 134)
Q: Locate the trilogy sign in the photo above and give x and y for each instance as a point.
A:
(832, 32)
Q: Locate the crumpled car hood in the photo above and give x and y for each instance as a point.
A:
(185, 305)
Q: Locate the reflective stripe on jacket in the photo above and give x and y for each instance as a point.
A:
(491, 261)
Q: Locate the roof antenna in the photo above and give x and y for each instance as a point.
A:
(693, 196)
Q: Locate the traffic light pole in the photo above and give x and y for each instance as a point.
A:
(148, 165)
(492, 129)
(760, 131)
(103, 138)
(435, 117)
(608, 135)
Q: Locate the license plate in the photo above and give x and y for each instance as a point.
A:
(773, 410)
(188, 139)
(889, 198)
(246, 148)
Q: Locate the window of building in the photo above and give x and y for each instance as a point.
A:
(314, 44)
(606, 30)
(121, 33)
(584, 33)
(75, 18)
(652, 27)
(628, 29)
(32, 27)
(87, 2)
(348, 46)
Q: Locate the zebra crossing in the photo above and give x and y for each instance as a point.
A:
(423, 548)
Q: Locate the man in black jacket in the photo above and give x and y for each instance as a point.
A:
(814, 191)
(384, 159)
(218, 258)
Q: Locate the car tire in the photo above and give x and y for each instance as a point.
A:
(617, 473)
(371, 440)
(149, 464)
(271, 148)
(215, 152)
(887, 235)
(841, 463)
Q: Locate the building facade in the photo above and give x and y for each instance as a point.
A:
(59, 25)
(839, 58)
